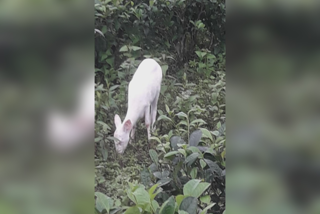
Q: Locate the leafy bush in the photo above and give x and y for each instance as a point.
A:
(144, 201)
(188, 152)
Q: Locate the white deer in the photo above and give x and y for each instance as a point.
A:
(143, 95)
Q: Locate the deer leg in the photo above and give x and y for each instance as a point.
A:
(132, 134)
(154, 111)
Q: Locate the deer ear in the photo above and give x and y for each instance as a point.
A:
(117, 120)
(127, 126)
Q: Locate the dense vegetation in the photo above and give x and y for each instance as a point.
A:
(183, 170)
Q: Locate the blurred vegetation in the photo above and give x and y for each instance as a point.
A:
(187, 38)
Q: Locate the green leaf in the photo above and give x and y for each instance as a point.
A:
(154, 206)
(194, 149)
(182, 212)
(135, 48)
(161, 175)
(207, 208)
(103, 202)
(191, 158)
(132, 210)
(174, 141)
(206, 133)
(182, 123)
(142, 197)
(164, 69)
(151, 192)
(195, 188)
(168, 206)
(113, 87)
(179, 199)
(104, 152)
(156, 139)
(198, 121)
(145, 177)
(97, 139)
(194, 172)
(218, 125)
(214, 166)
(163, 117)
(205, 199)
(167, 109)
(154, 156)
(202, 163)
(215, 133)
(153, 167)
(195, 138)
(164, 181)
(182, 151)
(124, 48)
(170, 154)
(189, 204)
(182, 114)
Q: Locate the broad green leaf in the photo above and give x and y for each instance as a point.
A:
(153, 167)
(132, 210)
(154, 156)
(195, 188)
(189, 187)
(175, 141)
(214, 166)
(179, 199)
(142, 197)
(145, 177)
(131, 196)
(170, 154)
(156, 139)
(163, 117)
(198, 121)
(124, 48)
(164, 69)
(161, 175)
(218, 125)
(195, 138)
(152, 193)
(205, 199)
(182, 123)
(215, 133)
(103, 202)
(182, 151)
(194, 149)
(194, 172)
(207, 208)
(167, 109)
(182, 114)
(168, 206)
(211, 151)
(113, 87)
(154, 206)
(135, 48)
(189, 204)
(164, 181)
(202, 163)
(97, 139)
(191, 158)
(104, 152)
(206, 133)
